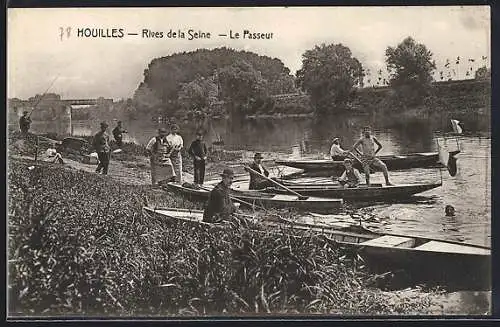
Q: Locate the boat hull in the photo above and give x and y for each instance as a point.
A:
(393, 162)
(359, 193)
(263, 199)
(457, 266)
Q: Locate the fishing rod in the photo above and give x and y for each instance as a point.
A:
(44, 93)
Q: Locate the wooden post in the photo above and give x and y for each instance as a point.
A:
(36, 148)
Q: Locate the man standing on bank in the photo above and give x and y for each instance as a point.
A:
(176, 142)
(159, 151)
(336, 152)
(118, 133)
(219, 206)
(368, 154)
(101, 146)
(198, 150)
(25, 122)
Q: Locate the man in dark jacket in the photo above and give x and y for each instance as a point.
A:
(24, 122)
(219, 206)
(118, 133)
(101, 146)
(198, 150)
(257, 182)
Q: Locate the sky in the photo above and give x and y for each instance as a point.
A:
(38, 56)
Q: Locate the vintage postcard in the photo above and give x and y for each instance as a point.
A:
(249, 162)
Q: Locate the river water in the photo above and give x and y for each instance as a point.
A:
(469, 191)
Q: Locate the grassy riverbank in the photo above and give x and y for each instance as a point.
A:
(80, 244)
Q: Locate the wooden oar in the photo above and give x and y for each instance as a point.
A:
(237, 200)
(250, 170)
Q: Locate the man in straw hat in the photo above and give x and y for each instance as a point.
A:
(101, 146)
(336, 152)
(258, 182)
(176, 142)
(219, 206)
(159, 151)
(351, 176)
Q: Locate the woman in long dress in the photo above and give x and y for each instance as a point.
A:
(159, 151)
(176, 142)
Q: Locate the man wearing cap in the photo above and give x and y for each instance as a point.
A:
(351, 176)
(219, 206)
(368, 158)
(118, 133)
(101, 146)
(176, 143)
(198, 150)
(24, 122)
(159, 151)
(257, 182)
(336, 152)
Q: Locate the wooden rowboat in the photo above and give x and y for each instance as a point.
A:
(436, 261)
(362, 192)
(393, 162)
(263, 199)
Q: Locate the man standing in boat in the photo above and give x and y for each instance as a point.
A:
(176, 142)
(159, 150)
(351, 176)
(257, 182)
(101, 146)
(336, 152)
(198, 150)
(368, 155)
(219, 206)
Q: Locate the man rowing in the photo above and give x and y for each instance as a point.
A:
(258, 182)
(368, 155)
(336, 152)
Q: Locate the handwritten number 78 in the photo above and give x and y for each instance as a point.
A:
(64, 32)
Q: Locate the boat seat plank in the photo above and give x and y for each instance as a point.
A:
(391, 241)
(437, 246)
(284, 197)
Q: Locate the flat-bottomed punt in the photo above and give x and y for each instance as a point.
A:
(393, 162)
(464, 266)
(263, 199)
(362, 192)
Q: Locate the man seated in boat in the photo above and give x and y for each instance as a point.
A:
(351, 176)
(367, 143)
(258, 182)
(219, 206)
(51, 155)
(336, 152)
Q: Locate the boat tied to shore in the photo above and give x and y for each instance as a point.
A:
(464, 266)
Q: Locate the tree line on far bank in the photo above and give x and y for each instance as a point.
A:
(219, 82)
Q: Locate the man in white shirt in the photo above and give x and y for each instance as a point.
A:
(336, 152)
(177, 143)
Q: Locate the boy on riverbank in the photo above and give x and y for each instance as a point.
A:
(101, 146)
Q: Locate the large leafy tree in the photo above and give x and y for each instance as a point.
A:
(241, 87)
(410, 67)
(329, 74)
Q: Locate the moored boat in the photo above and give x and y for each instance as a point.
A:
(263, 199)
(465, 266)
(362, 192)
(393, 162)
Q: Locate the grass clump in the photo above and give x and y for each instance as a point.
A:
(80, 244)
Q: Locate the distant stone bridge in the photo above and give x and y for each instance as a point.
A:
(87, 102)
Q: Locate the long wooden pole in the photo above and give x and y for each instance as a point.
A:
(238, 200)
(250, 170)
